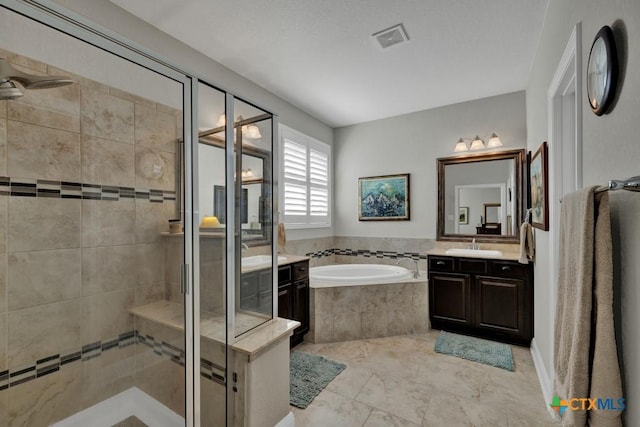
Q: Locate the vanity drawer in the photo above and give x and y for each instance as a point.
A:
(440, 264)
(284, 274)
(468, 265)
(508, 269)
(300, 270)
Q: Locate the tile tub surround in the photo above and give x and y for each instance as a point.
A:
(86, 188)
(346, 313)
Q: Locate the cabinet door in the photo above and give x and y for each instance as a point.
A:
(449, 299)
(500, 305)
(284, 301)
(301, 305)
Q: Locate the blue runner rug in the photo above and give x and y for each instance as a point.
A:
(476, 349)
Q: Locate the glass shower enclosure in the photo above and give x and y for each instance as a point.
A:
(136, 227)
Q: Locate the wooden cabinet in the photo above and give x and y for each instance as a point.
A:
(293, 297)
(484, 297)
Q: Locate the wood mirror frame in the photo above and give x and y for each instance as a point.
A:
(519, 157)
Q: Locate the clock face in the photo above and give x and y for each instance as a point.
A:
(597, 73)
(601, 71)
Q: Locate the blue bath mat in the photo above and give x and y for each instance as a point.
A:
(309, 374)
(476, 349)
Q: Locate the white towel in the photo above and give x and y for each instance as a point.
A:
(527, 247)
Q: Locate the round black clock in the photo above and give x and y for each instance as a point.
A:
(602, 71)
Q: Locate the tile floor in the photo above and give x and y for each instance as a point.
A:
(401, 381)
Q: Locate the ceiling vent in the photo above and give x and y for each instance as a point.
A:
(391, 36)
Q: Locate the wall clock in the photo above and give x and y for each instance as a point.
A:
(602, 71)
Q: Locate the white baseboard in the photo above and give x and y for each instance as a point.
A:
(544, 378)
(288, 421)
(131, 402)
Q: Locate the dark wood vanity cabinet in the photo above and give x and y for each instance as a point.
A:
(483, 297)
(293, 297)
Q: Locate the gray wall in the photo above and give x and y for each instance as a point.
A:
(611, 150)
(412, 143)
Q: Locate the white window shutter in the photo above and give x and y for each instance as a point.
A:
(306, 180)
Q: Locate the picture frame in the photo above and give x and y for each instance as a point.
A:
(539, 188)
(384, 198)
(463, 215)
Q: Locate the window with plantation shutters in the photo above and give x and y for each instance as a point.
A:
(305, 180)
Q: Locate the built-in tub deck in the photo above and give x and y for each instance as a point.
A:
(346, 309)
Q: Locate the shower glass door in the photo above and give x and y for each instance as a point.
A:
(210, 250)
(92, 308)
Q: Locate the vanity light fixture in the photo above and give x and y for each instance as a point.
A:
(248, 131)
(460, 146)
(477, 143)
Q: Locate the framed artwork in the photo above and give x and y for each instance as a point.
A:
(463, 215)
(539, 188)
(383, 198)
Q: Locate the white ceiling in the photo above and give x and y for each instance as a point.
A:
(319, 54)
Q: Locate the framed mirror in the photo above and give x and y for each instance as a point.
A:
(256, 228)
(481, 196)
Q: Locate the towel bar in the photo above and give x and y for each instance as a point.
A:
(630, 184)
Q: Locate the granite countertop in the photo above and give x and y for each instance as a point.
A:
(506, 255)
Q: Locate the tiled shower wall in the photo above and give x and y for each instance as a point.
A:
(88, 184)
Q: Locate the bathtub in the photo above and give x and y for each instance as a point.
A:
(357, 274)
(359, 301)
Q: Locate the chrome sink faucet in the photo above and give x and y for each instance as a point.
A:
(416, 272)
(245, 247)
(474, 246)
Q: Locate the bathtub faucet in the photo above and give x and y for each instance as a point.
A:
(416, 272)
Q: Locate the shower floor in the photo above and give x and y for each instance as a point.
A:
(130, 403)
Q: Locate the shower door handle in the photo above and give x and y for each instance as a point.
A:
(184, 274)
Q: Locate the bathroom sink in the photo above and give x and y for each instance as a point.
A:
(260, 260)
(474, 252)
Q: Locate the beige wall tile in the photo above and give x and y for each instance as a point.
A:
(164, 381)
(107, 162)
(212, 403)
(42, 277)
(3, 342)
(3, 109)
(130, 97)
(174, 256)
(347, 326)
(36, 332)
(106, 116)
(108, 222)
(150, 263)
(42, 153)
(147, 294)
(374, 324)
(152, 219)
(107, 375)
(3, 145)
(155, 169)
(40, 402)
(108, 268)
(106, 316)
(4, 215)
(24, 63)
(58, 108)
(3, 282)
(155, 129)
(43, 223)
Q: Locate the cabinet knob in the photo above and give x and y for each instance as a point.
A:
(506, 268)
(440, 263)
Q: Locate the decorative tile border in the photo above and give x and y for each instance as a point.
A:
(367, 254)
(53, 363)
(20, 187)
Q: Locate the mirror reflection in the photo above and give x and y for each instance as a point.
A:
(480, 196)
